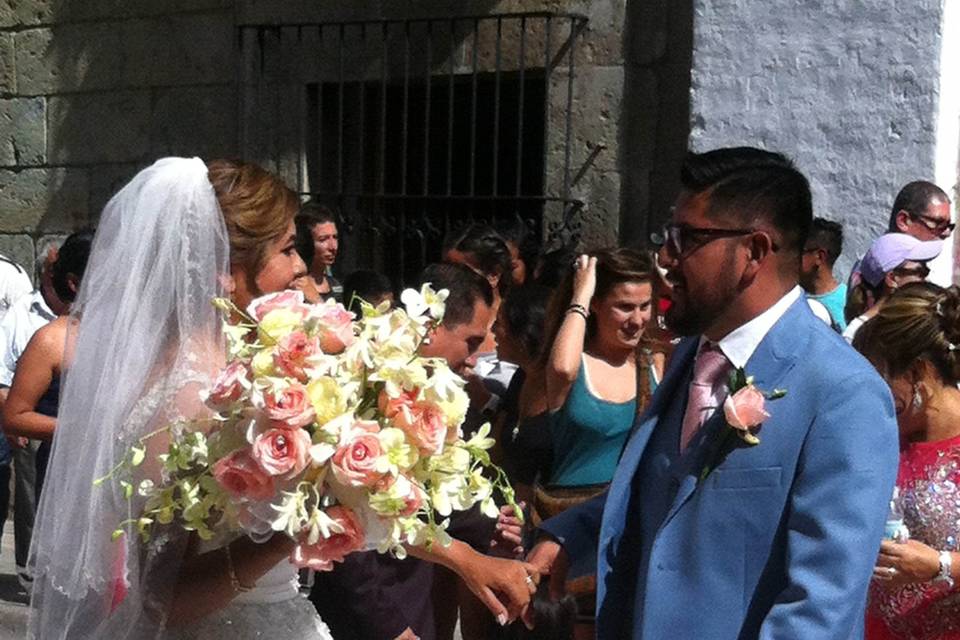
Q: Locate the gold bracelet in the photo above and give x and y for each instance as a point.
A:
(232, 574)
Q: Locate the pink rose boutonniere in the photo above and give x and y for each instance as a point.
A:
(744, 410)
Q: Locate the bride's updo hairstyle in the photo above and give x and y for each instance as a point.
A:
(920, 321)
(257, 209)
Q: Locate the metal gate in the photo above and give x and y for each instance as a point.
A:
(413, 128)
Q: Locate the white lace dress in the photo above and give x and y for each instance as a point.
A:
(274, 608)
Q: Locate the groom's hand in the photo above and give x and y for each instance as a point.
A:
(549, 559)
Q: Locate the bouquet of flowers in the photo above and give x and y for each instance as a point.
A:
(332, 430)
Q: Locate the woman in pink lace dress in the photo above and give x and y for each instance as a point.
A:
(915, 343)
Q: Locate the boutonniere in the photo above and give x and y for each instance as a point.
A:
(744, 410)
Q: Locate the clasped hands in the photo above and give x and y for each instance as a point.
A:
(513, 591)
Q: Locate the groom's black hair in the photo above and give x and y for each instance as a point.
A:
(465, 287)
(748, 186)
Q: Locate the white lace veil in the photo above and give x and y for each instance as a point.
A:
(148, 337)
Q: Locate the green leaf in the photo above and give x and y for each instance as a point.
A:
(137, 455)
(127, 489)
(116, 534)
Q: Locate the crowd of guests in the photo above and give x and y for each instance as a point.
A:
(561, 352)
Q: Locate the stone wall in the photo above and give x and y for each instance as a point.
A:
(847, 89)
(93, 90)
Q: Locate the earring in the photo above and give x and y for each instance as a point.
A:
(917, 398)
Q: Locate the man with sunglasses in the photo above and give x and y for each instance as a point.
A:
(922, 210)
(705, 533)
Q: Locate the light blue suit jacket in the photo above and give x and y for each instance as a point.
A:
(779, 541)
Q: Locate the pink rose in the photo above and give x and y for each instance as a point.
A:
(229, 385)
(336, 328)
(744, 409)
(424, 423)
(354, 463)
(322, 555)
(291, 300)
(282, 452)
(293, 352)
(390, 406)
(242, 477)
(289, 406)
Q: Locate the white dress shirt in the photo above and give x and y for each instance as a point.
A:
(25, 316)
(14, 283)
(738, 345)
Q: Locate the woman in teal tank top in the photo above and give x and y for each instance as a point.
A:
(601, 311)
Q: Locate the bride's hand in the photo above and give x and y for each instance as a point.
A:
(504, 586)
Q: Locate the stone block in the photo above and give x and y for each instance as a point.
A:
(192, 49)
(98, 127)
(196, 121)
(8, 70)
(65, 59)
(188, 49)
(16, 13)
(105, 181)
(22, 132)
(42, 200)
(19, 248)
(595, 117)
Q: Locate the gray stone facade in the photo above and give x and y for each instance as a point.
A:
(93, 90)
(847, 89)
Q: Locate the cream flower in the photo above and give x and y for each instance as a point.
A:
(327, 398)
(278, 324)
(398, 455)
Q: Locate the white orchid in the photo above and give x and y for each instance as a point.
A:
(426, 304)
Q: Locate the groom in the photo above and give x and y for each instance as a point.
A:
(700, 534)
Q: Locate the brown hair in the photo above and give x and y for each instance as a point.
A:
(614, 266)
(860, 297)
(920, 321)
(257, 209)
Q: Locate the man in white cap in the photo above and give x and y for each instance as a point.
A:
(894, 259)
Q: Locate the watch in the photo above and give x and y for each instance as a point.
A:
(944, 575)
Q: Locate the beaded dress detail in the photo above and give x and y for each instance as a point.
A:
(929, 482)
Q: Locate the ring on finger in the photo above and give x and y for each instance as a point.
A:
(529, 580)
(892, 571)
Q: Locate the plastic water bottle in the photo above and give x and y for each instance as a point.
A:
(895, 529)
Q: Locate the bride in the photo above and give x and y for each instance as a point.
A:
(146, 340)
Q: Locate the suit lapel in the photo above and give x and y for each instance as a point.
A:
(773, 359)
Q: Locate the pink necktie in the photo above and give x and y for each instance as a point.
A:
(708, 373)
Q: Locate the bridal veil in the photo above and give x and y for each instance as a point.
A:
(145, 337)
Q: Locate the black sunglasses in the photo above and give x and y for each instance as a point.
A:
(681, 239)
(933, 224)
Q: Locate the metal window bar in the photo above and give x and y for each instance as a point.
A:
(415, 127)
